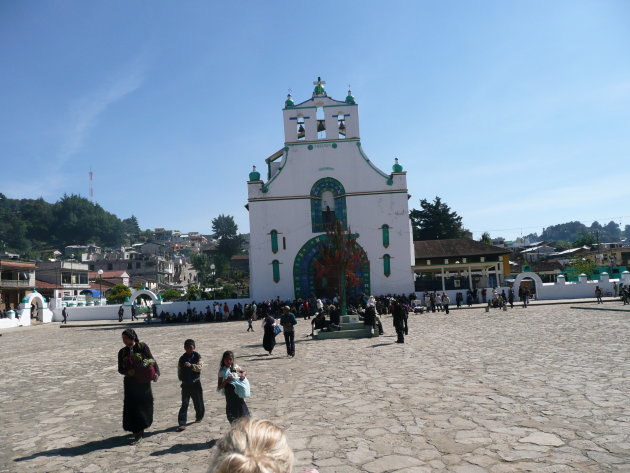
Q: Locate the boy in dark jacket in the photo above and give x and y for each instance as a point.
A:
(189, 373)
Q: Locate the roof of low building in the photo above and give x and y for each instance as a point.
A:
(4, 264)
(108, 274)
(454, 247)
(46, 285)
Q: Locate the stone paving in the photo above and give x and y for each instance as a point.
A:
(544, 389)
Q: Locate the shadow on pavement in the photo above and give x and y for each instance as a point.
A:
(103, 444)
(185, 447)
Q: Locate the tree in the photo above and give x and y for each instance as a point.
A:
(339, 257)
(582, 266)
(203, 266)
(435, 221)
(118, 293)
(224, 229)
(485, 238)
(585, 239)
(563, 245)
(193, 293)
(170, 295)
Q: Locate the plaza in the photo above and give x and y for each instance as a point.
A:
(543, 389)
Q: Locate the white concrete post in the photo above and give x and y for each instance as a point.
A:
(605, 277)
(561, 280)
(443, 284)
(625, 277)
(582, 278)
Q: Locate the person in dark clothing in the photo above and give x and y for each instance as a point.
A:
(399, 322)
(137, 364)
(133, 313)
(269, 337)
(235, 407)
(64, 314)
(121, 313)
(288, 321)
(189, 373)
(511, 298)
(335, 317)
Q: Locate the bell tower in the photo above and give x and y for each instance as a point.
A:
(320, 117)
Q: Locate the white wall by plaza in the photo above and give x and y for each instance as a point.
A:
(366, 198)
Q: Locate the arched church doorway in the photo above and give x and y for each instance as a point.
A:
(307, 283)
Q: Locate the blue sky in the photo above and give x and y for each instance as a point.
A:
(517, 114)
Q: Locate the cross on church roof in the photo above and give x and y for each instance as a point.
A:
(319, 87)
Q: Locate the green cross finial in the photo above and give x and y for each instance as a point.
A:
(319, 87)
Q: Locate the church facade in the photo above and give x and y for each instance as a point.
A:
(322, 175)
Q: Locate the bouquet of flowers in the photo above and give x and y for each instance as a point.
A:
(144, 368)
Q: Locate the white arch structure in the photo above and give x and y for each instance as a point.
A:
(537, 281)
(142, 292)
(44, 314)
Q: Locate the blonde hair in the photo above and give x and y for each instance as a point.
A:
(253, 446)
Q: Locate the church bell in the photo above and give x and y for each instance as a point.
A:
(321, 125)
(342, 128)
(301, 131)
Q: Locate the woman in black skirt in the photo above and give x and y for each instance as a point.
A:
(269, 337)
(235, 407)
(136, 363)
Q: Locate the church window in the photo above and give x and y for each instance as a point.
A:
(274, 241)
(385, 229)
(328, 204)
(387, 266)
(275, 265)
(321, 123)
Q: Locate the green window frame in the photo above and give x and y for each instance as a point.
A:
(275, 265)
(387, 266)
(385, 229)
(274, 241)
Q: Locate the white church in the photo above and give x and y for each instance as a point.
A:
(322, 175)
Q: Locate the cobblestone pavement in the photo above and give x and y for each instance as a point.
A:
(544, 389)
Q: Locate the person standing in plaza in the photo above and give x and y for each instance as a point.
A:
(288, 321)
(269, 336)
(229, 371)
(598, 294)
(189, 373)
(446, 301)
(137, 365)
(399, 321)
(121, 313)
(511, 298)
(249, 313)
(64, 314)
(133, 313)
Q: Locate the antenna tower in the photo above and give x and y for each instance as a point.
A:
(91, 174)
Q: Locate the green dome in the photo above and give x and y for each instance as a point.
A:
(350, 98)
(397, 167)
(289, 102)
(254, 175)
(25, 299)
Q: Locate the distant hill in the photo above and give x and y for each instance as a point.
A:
(579, 232)
(27, 225)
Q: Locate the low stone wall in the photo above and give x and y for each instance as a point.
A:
(110, 312)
